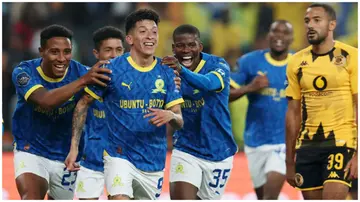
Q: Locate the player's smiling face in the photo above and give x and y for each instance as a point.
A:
(280, 36)
(109, 49)
(187, 48)
(56, 55)
(318, 25)
(144, 37)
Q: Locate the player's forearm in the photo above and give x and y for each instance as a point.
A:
(78, 122)
(292, 130)
(236, 93)
(208, 82)
(56, 97)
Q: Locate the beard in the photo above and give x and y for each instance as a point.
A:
(316, 41)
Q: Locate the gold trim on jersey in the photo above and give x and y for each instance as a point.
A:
(200, 66)
(31, 90)
(92, 94)
(273, 62)
(309, 189)
(48, 79)
(234, 84)
(173, 103)
(221, 81)
(138, 67)
(338, 181)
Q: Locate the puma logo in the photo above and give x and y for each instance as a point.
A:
(126, 85)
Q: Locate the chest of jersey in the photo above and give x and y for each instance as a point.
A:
(140, 90)
(323, 75)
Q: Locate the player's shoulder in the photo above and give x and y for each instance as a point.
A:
(255, 55)
(303, 52)
(77, 65)
(346, 48)
(27, 66)
(300, 56)
(215, 61)
(120, 63)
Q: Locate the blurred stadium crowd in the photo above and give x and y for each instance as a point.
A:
(227, 29)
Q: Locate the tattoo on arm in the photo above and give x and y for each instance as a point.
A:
(79, 118)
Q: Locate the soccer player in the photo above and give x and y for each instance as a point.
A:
(202, 158)
(108, 43)
(320, 121)
(262, 74)
(140, 100)
(47, 90)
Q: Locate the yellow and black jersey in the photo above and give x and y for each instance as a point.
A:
(325, 84)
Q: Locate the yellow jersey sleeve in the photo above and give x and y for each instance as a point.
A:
(293, 88)
(353, 64)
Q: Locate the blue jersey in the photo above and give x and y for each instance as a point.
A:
(207, 130)
(42, 132)
(95, 137)
(265, 121)
(130, 92)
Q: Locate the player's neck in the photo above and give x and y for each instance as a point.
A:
(140, 59)
(324, 47)
(279, 57)
(47, 71)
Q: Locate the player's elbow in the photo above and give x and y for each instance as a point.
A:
(177, 123)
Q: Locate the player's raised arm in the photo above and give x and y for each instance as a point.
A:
(49, 99)
(78, 122)
(209, 82)
(239, 78)
(258, 83)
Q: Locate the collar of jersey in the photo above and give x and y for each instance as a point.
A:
(201, 63)
(275, 62)
(138, 67)
(48, 79)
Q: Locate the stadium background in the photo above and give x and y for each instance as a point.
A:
(227, 29)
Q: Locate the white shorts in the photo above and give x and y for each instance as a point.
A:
(265, 159)
(61, 181)
(122, 177)
(208, 176)
(89, 183)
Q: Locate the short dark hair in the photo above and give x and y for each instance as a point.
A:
(328, 9)
(54, 31)
(186, 29)
(107, 32)
(139, 15)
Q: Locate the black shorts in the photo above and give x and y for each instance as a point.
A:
(354, 186)
(316, 166)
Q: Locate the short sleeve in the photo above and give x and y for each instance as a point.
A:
(222, 71)
(353, 65)
(173, 95)
(293, 86)
(25, 82)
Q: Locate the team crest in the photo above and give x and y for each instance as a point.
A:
(339, 60)
(159, 86)
(299, 180)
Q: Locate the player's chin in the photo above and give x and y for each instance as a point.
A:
(148, 51)
(59, 73)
